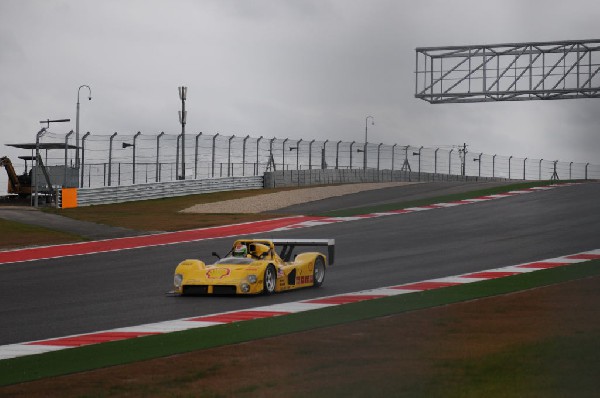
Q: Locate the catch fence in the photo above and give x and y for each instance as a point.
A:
(128, 159)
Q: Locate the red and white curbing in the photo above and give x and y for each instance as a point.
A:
(43, 346)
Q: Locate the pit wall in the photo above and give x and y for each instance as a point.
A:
(290, 178)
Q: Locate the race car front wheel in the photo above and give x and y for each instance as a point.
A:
(319, 272)
(270, 280)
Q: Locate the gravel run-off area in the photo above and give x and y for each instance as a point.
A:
(280, 200)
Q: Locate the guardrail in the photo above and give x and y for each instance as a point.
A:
(280, 179)
(118, 194)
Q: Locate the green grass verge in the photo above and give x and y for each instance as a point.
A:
(15, 234)
(437, 199)
(109, 354)
(562, 366)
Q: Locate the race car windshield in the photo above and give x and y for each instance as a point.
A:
(235, 260)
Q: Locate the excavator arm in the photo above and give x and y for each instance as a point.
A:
(13, 179)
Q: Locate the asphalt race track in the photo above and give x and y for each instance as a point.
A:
(59, 297)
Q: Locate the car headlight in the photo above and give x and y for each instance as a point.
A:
(177, 280)
(245, 287)
(252, 278)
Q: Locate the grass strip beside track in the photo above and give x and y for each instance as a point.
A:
(74, 360)
(15, 234)
(437, 199)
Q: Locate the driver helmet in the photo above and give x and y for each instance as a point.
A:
(240, 250)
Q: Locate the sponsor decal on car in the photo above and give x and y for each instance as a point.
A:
(217, 273)
(300, 280)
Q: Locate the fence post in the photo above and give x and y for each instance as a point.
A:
(229, 157)
(540, 170)
(134, 138)
(177, 158)
(244, 155)
(298, 158)
(586, 167)
(196, 156)
(570, 166)
(110, 158)
(393, 153)
(157, 179)
(509, 166)
(66, 155)
(419, 154)
(257, 146)
(283, 155)
(324, 156)
(478, 159)
(450, 161)
(213, 153)
(365, 147)
(524, 163)
(351, 149)
(83, 157)
(337, 154)
(494, 166)
(435, 161)
(310, 154)
(271, 157)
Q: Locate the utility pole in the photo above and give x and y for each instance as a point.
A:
(463, 156)
(182, 120)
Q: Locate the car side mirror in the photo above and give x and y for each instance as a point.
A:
(216, 255)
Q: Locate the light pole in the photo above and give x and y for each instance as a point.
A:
(366, 137)
(182, 120)
(77, 123)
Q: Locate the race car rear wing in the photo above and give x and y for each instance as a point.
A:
(288, 246)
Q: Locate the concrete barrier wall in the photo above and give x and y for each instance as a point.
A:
(279, 179)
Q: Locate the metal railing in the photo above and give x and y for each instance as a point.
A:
(126, 193)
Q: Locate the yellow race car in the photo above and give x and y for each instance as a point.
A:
(253, 266)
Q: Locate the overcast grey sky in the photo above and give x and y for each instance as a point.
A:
(286, 68)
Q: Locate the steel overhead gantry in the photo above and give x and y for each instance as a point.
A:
(508, 72)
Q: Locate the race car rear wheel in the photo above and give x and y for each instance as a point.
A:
(270, 280)
(319, 272)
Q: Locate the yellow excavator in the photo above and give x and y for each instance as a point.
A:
(17, 184)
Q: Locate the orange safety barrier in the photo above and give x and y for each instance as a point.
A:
(69, 198)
